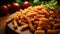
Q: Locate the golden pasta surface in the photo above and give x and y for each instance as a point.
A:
(38, 19)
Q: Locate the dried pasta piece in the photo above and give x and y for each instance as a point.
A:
(39, 16)
(36, 23)
(21, 23)
(56, 26)
(39, 32)
(51, 18)
(57, 20)
(31, 27)
(43, 19)
(45, 12)
(26, 18)
(52, 32)
(15, 24)
(23, 27)
(39, 28)
(42, 23)
(48, 27)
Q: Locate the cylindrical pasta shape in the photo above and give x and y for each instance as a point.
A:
(21, 23)
(15, 24)
(39, 32)
(23, 27)
(31, 27)
(52, 32)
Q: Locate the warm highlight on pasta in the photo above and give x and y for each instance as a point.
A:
(38, 19)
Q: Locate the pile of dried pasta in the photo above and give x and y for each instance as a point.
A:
(38, 19)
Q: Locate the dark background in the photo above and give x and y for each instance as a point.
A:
(6, 1)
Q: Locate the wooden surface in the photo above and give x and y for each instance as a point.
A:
(26, 31)
(3, 24)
